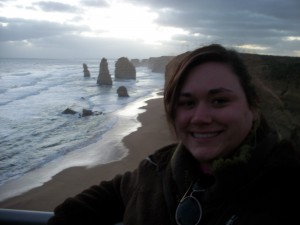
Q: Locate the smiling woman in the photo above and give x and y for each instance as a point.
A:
(227, 160)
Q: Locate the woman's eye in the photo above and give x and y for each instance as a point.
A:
(186, 103)
(220, 101)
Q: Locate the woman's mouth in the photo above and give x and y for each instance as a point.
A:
(206, 134)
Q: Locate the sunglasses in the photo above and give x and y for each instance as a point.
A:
(189, 209)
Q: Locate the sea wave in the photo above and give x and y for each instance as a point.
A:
(34, 132)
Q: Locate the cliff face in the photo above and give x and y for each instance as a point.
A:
(171, 67)
(278, 82)
(158, 64)
(104, 77)
(124, 69)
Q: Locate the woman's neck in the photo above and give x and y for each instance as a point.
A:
(206, 168)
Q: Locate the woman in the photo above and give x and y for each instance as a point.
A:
(228, 167)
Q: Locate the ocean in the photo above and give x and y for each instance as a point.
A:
(35, 133)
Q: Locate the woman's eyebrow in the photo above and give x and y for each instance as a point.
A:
(185, 94)
(210, 92)
(219, 90)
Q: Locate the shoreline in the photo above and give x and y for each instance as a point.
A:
(151, 135)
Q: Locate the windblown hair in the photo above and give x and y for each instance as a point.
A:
(210, 53)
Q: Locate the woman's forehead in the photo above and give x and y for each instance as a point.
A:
(211, 77)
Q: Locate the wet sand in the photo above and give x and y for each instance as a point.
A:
(153, 134)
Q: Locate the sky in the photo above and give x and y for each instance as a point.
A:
(146, 28)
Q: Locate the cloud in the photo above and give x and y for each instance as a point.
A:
(261, 23)
(56, 7)
(22, 29)
(264, 27)
(95, 3)
(73, 46)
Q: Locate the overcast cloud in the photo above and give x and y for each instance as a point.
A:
(145, 28)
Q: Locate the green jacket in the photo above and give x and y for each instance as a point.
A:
(263, 190)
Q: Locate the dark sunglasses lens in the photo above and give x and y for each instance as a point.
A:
(189, 212)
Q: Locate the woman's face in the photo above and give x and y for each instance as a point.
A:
(212, 115)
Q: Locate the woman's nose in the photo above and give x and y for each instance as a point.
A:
(201, 114)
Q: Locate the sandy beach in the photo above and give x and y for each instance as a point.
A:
(153, 134)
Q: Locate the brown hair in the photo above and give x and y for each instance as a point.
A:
(210, 53)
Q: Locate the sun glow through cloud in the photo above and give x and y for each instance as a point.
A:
(293, 38)
(127, 22)
(116, 20)
(252, 47)
(142, 28)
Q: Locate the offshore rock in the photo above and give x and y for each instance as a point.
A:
(135, 62)
(87, 112)
(122, 91)
(86, 72)
(139, 63)
(104, 77)
(124, 69)
(69, 111)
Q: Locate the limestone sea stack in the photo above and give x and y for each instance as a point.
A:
(86, 72)
(124, 69)
(104, 77)
(122, 91)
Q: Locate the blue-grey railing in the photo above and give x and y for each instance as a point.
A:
(24, 217)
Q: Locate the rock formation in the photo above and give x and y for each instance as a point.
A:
(124, 69)
(122, 91)
(135, 62)
(86, 72)
(140, 63)
(69, 111)
(104, 77)
(87, 112)
(158, 64)
(171, 67)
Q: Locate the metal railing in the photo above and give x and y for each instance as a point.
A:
(24, 217)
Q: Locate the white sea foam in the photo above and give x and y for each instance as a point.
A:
(34, 133)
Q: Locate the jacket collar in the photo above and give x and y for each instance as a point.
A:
(185, 169)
